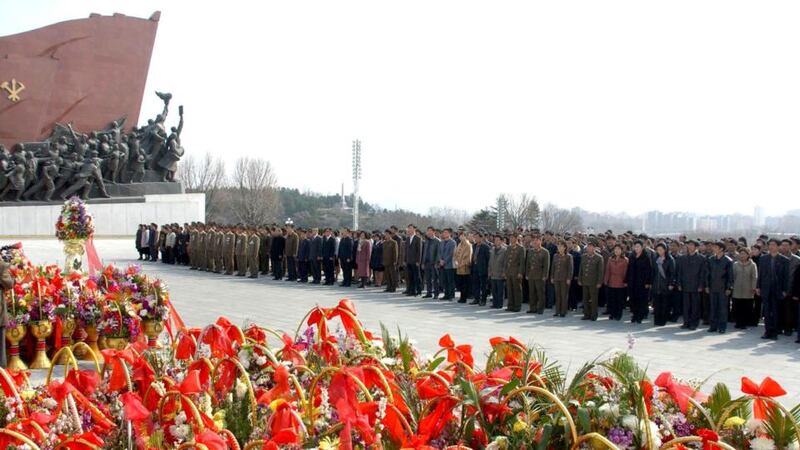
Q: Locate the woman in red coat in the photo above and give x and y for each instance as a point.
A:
(363, 254)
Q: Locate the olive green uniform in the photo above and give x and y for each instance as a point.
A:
(241, 254)
(537, 268)
(515, 270)
(253, 244)
(590, 276)
(228, 247)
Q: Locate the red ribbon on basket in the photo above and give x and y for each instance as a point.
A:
(768, 388)
(95, 264)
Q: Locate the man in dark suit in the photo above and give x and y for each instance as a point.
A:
(772, 285)
(153, 242)
(480, 270)
(328, 253)
(413, 256)
(315, 255)
(691, 277)
(138, 241)
(346, 257)
(277, 247)
(302, 256)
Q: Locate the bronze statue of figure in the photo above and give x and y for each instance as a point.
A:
(46, 182)
(69, 166)
(169, 162)
(16, 178)
(136, 159)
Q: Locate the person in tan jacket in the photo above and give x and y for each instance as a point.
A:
(515, 271)
(745, 280)
(561, 278)
(462, 258)
(290, 252)
(390, 258)
(253, 244)
(241, 252)
(537, 269)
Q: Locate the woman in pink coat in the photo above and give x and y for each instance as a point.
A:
(363, 254)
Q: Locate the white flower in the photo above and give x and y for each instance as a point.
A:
(630, 422)
(203, 351)
(793, 446)
(754, 426)
(49, 403)
(609, 410)
(389, 361)
(241, 389)
(655, 437)
(500, 443)
(143, 313)
(762, 443)
(179, 432)
(244, 358)
(261, 360)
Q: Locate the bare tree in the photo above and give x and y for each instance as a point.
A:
(254, 195)
(521, 211)
(560, 220)
(442, 216)
(206, 175)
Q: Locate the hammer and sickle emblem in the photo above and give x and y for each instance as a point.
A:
(13, 89)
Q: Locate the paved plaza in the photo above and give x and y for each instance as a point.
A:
(201, 297)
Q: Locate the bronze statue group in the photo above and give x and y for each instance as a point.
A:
(708, 283)
(69, 163)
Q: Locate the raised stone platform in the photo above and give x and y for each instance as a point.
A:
(112, 216)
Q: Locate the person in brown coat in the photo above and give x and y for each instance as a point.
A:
(290, 253)
(463, 262)
(390, 258)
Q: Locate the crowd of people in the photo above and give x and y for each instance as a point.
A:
(709, 283)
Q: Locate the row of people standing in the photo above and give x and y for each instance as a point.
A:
(703, 282)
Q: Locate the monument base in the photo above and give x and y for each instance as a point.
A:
(119, 216)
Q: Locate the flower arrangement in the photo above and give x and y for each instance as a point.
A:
(75, 222)
(117, 322)
(335, 385)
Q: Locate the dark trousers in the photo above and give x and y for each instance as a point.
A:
(575, 293)
(691, 309)
(431, 280)
(291, 267)
(705, 300)
(526, 291)
(718, 320)
(639, 304)
(789, 317)
(414, 285)
(550, 294)
(661, 308)
(316, 270)
(464, 287)
(327, 266)
(771, 304)
(498, 286)
(302, 270)
(757, 312)
(169, 256)
(480, 286)
(675, 305)
(153, 253)
(449, 283)
(277, 268)
(347, 271)
(742, 312)
(602, 297)
(616, 302)
(536, 296)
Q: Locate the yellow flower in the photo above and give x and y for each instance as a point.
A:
(329, 443)
(219, 419)
(275, 403)
(733, 422)
(27, 394)
(520, 426)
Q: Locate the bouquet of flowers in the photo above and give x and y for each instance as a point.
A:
(17, 307)
(117, 322)
(75, 221)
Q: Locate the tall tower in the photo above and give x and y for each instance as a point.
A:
(502, 204)
(356, 178)
(344, 203)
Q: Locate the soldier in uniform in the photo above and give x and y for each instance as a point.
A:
(561, 278)
(219, 239)
(537, 268)
(390, 258)
(241, 252)
(263, 250)
(515, 271)
(210, 259)
(200, 246)
(290, 253)
(253, 244)
(191, 247)
(590, 277)
(228, 248)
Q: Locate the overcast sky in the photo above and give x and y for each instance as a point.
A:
(608, 105)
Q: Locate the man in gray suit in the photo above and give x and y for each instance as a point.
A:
(430, 259)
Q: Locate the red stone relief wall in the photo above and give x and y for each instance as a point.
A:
(86, 71)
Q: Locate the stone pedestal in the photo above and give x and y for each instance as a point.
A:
(112, 217)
